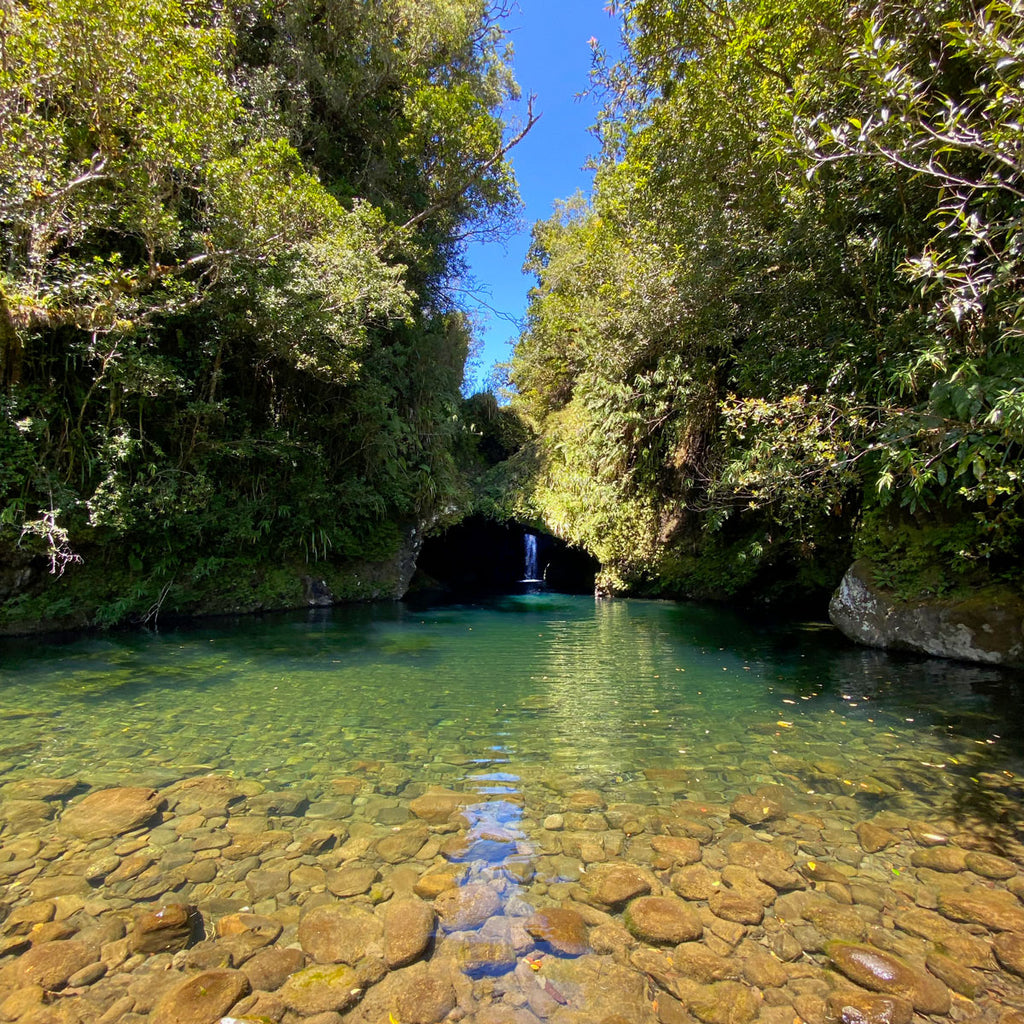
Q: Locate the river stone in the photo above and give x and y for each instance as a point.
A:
(563, 930)
(927, 834)
(22, 815)
(39, 789)
(1000, 912)
(131, 867)
(682, 849)
(493, 847)
(694, 960)
(432, 884)
(866, 1008)
(408, 929)
(959, 978)
(287, 803)
(736, 906)
(164, 930)
(23, 919)
(263, 883)
(51, 964)
(833, 919)
(724, 1002)
(352, 879)
(695, 882)
(269, 969)
(201, 999)
(615, 884)
(425, 994)
(752, 809)
(759, 856)
(52, 931)
(402, 845)
(437, 806)
(948, 859)
(663, 920)
(882, 972)
(746, 882)
(107, 813)
(339, 934)
(1009, 950)
(478, 955)
(988, 865)
(467, 907)
(321, 988)
(210, 794)
(257, 931)
(872, 838)
(21, 1002)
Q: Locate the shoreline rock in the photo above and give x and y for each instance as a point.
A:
(986, 628)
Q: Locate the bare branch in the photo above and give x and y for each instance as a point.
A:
(477, 174)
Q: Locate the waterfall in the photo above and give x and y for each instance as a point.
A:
(530, 558)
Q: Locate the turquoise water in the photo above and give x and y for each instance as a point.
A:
(544, 690)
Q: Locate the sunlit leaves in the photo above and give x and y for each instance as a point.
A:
(807, 292)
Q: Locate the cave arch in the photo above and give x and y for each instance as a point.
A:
(482, 556)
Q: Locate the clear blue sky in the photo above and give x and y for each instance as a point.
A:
(552, 62)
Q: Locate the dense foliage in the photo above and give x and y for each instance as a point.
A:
(789, 321)
(226, 235)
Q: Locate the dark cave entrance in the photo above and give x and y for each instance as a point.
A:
(481, 556)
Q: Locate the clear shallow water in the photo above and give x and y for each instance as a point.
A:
(579, 746)
(540, 688)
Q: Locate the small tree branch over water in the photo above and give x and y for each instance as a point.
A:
(55, 538)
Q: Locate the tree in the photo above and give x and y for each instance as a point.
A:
(226, 233)
(776, 330)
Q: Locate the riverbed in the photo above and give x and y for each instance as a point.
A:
(535, 808)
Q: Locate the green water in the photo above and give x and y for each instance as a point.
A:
(530, 695)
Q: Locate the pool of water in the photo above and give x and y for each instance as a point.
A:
(571, 729)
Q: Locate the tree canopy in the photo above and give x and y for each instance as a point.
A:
(788, 323)
(227, 233)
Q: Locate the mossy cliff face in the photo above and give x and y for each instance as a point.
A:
(985, 626)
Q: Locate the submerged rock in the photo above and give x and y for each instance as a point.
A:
(408, 929)
(50, 965)
(164, 930)
(882, 972)
(336, 933)
(467, 907)
(663, 920)
(563, 930)
(202, 998)
(614, 884)
(320, 989)
(111, 812)
(864, 1008)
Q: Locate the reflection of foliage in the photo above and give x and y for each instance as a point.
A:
(794, 295)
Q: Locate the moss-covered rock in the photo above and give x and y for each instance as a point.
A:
(986, 626)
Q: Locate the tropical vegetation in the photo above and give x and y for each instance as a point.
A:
(227, 237)
(786, 329)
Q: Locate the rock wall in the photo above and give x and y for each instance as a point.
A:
(987, 626)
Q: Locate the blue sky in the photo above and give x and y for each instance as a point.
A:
(552, 62)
